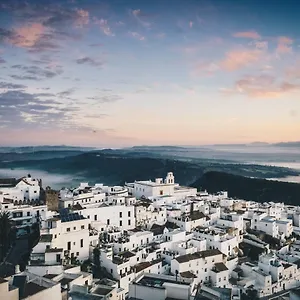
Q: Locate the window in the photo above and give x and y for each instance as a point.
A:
(68, 229)
(95, 217)
(69, 245)
(58, 258)
(77, 253)
(129, 214)
(161, 192)
(129, 223)
(28, 213)
(120, 223)
(81, 243)
(108, 221)
(120, 214)
(205, 270)
(82, 226)
(220, 279)
(74, 228)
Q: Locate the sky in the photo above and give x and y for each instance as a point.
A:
(161, 72)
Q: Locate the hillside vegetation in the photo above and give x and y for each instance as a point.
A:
(260, 190)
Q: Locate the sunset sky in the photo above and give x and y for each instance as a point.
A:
(119, 73)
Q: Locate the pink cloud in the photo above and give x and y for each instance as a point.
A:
(293, 72)
(141, 18)
(83, 18)
(247, 34)
(205, 68)
(191, 24)
(238, 59)
(284, 45)
(262, 86)
(27, 36)
(136, 35)
(104, 26)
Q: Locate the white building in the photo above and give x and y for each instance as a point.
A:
(25, 215)
(105, 217)
(21, 191)
(70, 232)
(161, 287)
(159, 187)
(203, 265)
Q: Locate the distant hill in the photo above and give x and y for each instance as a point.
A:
(260, 190)
(117, 166)
(33, 149)
(287, 144)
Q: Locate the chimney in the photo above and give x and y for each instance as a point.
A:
(17, 269)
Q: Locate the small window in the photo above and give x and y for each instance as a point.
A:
(120, 223)
(82, 226)
(120, 214)
(74, 228)
(68, 229)
(81, 243)
(129, 214)
(129, 223)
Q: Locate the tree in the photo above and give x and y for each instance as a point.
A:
(6, 233)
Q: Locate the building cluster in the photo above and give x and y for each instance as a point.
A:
(151, 240)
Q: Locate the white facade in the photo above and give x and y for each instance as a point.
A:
(113, 216)
(199, 263)
(24, 190)
(25, 215)
(72, 236)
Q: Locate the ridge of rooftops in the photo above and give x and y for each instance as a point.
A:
(197, 255)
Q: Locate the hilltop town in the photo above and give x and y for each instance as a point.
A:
(152, 239)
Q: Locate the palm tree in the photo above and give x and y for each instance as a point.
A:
(5, 233)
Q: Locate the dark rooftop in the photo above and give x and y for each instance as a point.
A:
(196, 215)
(77, 207)
(219, 267)
(65, 281)
(158, 281)
(102, 291)
(146, 264)
(71, 217)
(32, 288)
(188, 274)
(157, 229)
(46, 238)
(126, 254)
(53, 250)
(171, 225)
(50, 276)
(196, 255)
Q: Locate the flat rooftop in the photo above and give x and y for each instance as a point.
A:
(158, 281)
